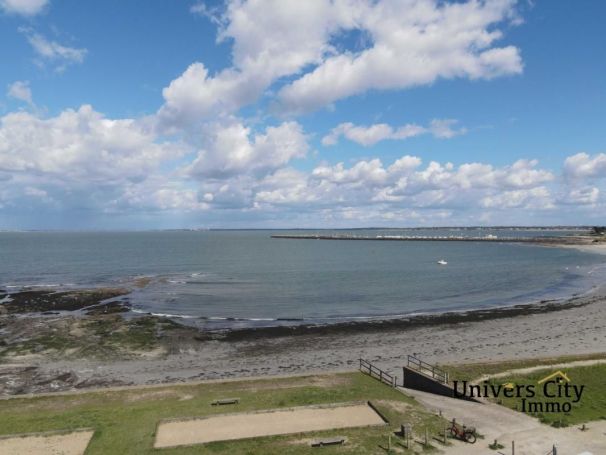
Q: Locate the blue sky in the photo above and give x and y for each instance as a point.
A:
(168, 114)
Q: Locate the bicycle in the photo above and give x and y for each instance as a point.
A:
(463, 433)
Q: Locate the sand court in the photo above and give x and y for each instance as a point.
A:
(266, 423)
(73, 443)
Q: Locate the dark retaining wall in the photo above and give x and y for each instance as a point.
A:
(417, 381)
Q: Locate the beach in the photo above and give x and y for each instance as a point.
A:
(596, 248)
(152, 350)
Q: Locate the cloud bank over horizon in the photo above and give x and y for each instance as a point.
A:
(234, 146)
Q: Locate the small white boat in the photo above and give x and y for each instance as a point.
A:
(442, 262)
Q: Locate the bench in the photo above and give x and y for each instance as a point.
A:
(328, 442)
(223, 401)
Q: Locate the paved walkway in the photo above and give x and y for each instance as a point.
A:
(497, 422)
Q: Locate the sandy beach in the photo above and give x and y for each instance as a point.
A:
(578, 330)
(599, 248)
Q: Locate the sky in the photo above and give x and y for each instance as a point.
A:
(157, 114)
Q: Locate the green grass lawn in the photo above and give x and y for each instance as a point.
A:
(471, 371)
(592, 405)
(125, 421)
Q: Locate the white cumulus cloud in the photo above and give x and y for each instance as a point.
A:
(582, 196)
(534, 198)
(372, 134)
(23, 7)
(199, 153)
(20, 90)
(582, 165)
(234, 149)
(271, 39)
(414, 42)
(79, 145)
(406, 185)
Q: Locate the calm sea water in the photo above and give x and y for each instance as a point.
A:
(243, 278)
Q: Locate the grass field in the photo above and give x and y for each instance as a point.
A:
(471, 371)
(591, 406)
(125, 421)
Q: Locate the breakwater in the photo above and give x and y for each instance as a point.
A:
(555, 240)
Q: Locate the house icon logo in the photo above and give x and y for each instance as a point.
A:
(558, 376)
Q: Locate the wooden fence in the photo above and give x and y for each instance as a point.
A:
(375, 372)
(428, 369)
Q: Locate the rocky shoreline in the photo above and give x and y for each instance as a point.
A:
(49, 302)
(404, 323)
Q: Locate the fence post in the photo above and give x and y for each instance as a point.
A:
(555, 450)
(513, 448)
(408, 431)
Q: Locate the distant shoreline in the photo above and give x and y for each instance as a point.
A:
(369, 228)
(540, 240)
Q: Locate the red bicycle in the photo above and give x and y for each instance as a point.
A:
(463, 433)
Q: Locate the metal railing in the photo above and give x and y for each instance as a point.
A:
(427, 369)
(375, 372)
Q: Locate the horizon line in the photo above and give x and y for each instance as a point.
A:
(199, 229)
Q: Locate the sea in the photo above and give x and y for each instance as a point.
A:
(230, 279)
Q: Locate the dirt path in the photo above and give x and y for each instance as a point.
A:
(497, 422)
